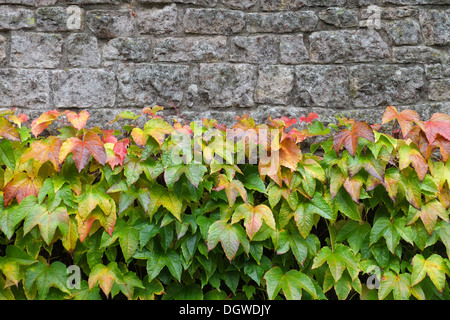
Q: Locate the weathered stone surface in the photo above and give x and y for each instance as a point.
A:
(128, 49)
(212, 21)
(391, 13)
(292, 49)
(2, 48)
(191, 49)
(203, 3)
(282, 5)
(439, 90)
(83, 88)
(111, 23)
(403, 32)
(52, 19)
(12, 18)
(227, 85)
(82, 50)
(415, 2)
(147, 84)
(158, 21)
(24, 88)
(275, 83)
(323, 86)
(281, 22)
(374, 85)
(417, 54)
(347, 46)
(35, 50)
(340, 17)
(435, 26)
(254, 49)
(239, 4)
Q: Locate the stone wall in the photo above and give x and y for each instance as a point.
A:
(219, 58)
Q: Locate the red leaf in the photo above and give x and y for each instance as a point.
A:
(439, 124)
(39, 124)
(349, 139)
(82, 150)
(311, 116)
(20, 187)
(405, 118)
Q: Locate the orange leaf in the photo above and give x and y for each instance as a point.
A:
(39, 124)
(82, 150)
(8, 131)
(232, 189)
(20, 187)
(409, 155)
(290, 154)
(349, 139)
(77, 120)
(405, 118)
(42, 151)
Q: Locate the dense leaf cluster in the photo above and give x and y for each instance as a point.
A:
(182, 211)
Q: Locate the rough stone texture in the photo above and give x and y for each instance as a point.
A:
(12, 18)
(254, 49)
(148, 84)
(111, 23)
(275, 83)
(83, 88)
(191, 49)
(375, 85)
(340, 17)
(158, 21)
(82, 50)
(35, 50)
(281, 22)
(403, 32)
(435, 26)
(222, 58)
(322, 86)
(127, 49)
(440, 90)
(24, 88)
(347, 46)
(293, 49)
(227, 85)
(211, 21)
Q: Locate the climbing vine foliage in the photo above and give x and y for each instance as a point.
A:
(286, 209)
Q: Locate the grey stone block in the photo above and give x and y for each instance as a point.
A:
(418, 54)
(292, 49)
(213, 21)
(128, 49)
(111, 23)
(275, 83)
(52, 19)
(35, 50)
(147, 84)
(227, 85)
(281, 22)
(347, 46)
(340, 17)
(2, 48)
(82, 50)
(392, 13)
(239, 4)
(435, 26)
(12, 18)
(403, 32)
(158, 21)
(204, 49)
(322, 86)
(374, 85)
(83, 88)
(24, 88)
(254, 49)
(439, 90)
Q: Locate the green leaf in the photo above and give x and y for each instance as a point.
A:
(11, 216)
(105, 276)
(338, 260)
(320, 206)
(346, 205)
(291, 283)
(229, 235)
(46, 276)
(304, 220)
(169, 200)
(158, 128)
(252, 180)
(399, 284)
(355, 233)
(434, 266)
(7, 154)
